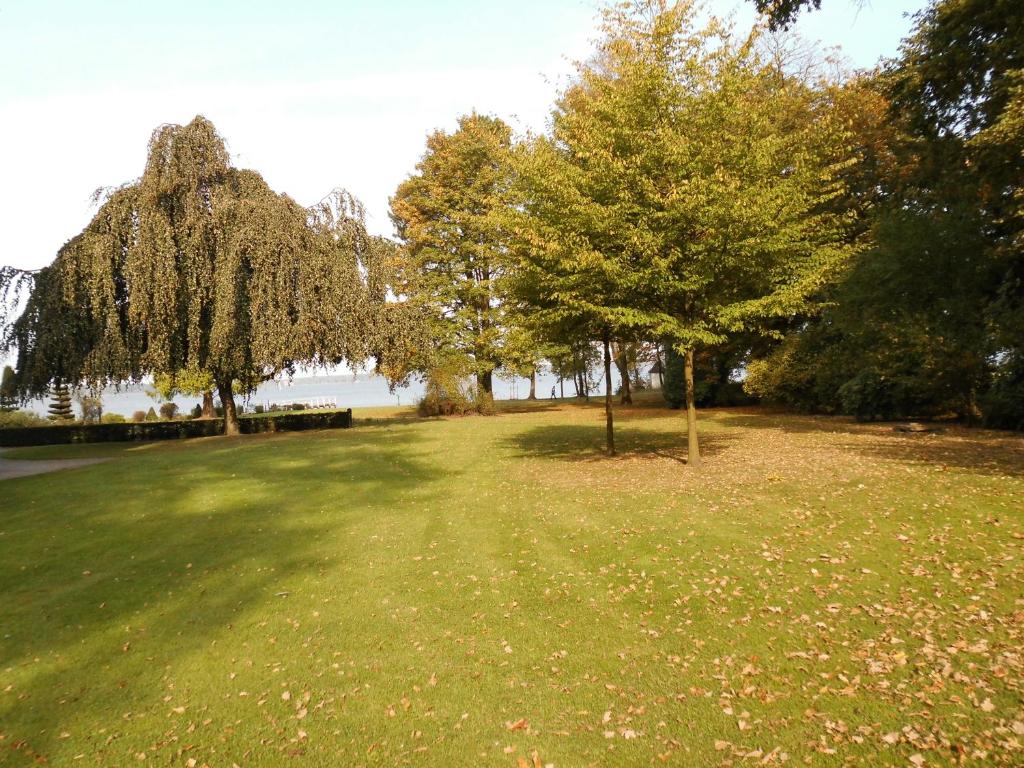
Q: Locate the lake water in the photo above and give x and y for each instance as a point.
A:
(345, 389)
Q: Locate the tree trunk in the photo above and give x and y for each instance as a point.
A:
(561, 386)
(622, 364)
(693, 447)
(608, 418)
(227, 400)
(209, 412)
(533, 384)
(484, 381)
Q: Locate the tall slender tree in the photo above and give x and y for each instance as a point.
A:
(446, 215)
(8, 390)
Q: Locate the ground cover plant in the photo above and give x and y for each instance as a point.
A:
(496, 591)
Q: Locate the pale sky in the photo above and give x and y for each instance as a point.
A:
(314, 94)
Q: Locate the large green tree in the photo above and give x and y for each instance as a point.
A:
(200, 266)
(928, 321)
(686, 192)
(446, 215)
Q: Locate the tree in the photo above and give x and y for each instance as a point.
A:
(168, 411)
(8, 390)
(190, 383)
(928, 321)
(573, 359)
(200, 266)
(92, 408)
(522, 354)
(684, 193)
(959, 86)
(445, 215)
(782, 13)
(60, 404)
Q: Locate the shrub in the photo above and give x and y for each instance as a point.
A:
(445, 396)
(483, 402)
(139, 416)
(259, 409)
(298, 407)
(871, 396)
(169, 430)
(168, 411)
(151, 414)
(15, 419)
(1002, 405)
(112, 418)
(197, 412)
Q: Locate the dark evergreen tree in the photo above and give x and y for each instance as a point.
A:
(673, 382)
(8, 390)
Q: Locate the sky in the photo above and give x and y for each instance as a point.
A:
(314, 94)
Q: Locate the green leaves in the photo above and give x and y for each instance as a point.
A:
(448, 214)
(689, 188)
(200, 270)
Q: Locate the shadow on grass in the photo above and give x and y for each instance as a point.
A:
(976, 450)
(577, 442)
(176, 545)
(526, 406)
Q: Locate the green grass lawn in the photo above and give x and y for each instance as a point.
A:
(492, 591)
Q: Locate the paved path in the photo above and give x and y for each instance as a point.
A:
(16, 468)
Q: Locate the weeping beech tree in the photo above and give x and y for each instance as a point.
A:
(200, 267)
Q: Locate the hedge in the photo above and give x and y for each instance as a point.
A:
(171, 430)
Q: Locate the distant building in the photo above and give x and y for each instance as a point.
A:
(655, 375)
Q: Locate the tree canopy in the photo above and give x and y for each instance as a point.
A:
(446, 214)
(688, 191)
(200, 266)
(929, 321)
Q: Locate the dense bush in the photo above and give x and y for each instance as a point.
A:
(13, 419)
(297, 422)
(197, 412)
(170, 430)
(168, 411)
(139, 416)
(1002, 405)
(112, 418)
(151, 414)
(450, 395)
